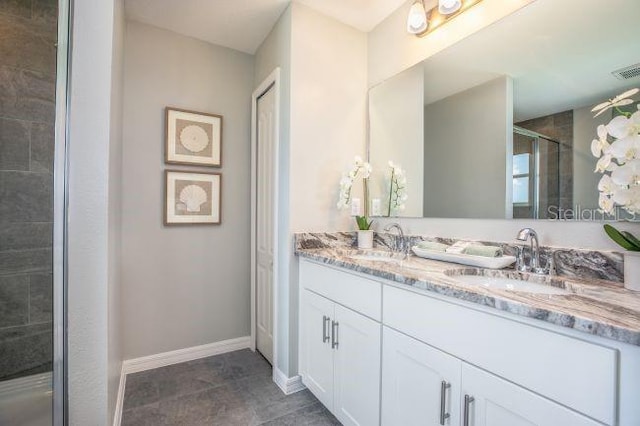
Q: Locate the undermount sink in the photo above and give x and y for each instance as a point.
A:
(375, 258)
(504, 283)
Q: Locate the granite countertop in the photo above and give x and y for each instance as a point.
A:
(597, 307)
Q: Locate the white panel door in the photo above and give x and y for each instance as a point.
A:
(420, 384)
(265, 223)
(497, 402)
(357, 368)
(316, 355)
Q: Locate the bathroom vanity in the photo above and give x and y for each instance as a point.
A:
(391, 342)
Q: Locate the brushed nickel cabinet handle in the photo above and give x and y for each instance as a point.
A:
(334, 334)
(467, 402)
(325, 329)
(443, 401)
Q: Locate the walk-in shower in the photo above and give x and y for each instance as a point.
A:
(34, 37)
(536, 175)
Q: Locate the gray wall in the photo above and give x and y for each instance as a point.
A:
(27, 109)
(187, 285)
(465, 166)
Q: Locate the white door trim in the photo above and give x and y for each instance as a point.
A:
(272, 80)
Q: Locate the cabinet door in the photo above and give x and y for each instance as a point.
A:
(316, 355)
(497, 402)
(413, 375)
(357, 369)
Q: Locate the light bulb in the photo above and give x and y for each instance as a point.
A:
(417, 20)
(447, 7)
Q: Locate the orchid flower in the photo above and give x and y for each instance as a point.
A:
(618, 151)
(618, 101)
(601, 144)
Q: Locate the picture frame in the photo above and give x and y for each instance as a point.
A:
(193, 138)
(192, 198)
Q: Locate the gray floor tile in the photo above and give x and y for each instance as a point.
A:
(313, 415)
(234, 389)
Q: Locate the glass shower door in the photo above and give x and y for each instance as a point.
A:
(536, 175)
(32, 88)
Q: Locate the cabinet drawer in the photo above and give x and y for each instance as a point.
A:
(580, 375)
(354, 292)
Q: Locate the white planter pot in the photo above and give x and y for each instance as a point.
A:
(632, 270)
(365, 239)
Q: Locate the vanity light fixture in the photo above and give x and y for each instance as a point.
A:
(447, 7)
(421, 22)
(417, 20)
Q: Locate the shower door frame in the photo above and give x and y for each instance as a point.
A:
(60, 202)
(536, 163)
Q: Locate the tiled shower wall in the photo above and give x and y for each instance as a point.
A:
(560, 128)
(27, 110)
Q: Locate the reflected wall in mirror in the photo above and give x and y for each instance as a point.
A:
(499, 125)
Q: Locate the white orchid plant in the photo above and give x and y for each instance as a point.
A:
(618, 150)
(363, 169)
(397, 188)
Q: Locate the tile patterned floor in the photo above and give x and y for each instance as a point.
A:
(233, 389)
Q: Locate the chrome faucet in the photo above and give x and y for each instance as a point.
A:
(402, 244)
(534, 264)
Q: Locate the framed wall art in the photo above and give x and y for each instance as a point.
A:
(193, 138)
(192, 198)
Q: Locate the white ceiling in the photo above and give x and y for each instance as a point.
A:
(244, 24)
(559, 53)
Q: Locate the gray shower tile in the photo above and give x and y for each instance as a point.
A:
(25, 261)
(42, 147)
(27, 95)
(14, 300)
(21, 8)
(26, 197)
(26, 44)
(41, 298)
(25, 235)
(25, 349)
(45, 12)
(14, 144)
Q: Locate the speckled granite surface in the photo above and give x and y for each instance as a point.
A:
(592, 305)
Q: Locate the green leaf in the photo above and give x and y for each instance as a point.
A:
(363, 223)
(620, 239)
(632, 239)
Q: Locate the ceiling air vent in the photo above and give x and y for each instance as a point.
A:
(628, 72)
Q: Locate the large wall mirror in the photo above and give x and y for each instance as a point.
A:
(499, 125)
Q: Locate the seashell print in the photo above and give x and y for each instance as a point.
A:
(193, 197)
(194, 138)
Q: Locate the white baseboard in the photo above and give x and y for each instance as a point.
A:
(183, 355)
(150, 362)
(288, 385)
(117, 417)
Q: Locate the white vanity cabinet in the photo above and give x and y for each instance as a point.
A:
(491, 401)
(424, 386)
(340, 347)
(404, 357)
(420, 384)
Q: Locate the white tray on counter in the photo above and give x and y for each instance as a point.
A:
(466, 259)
